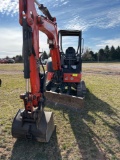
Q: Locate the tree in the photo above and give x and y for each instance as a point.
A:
(94, 56)
(118, 53)
(113, 53)
(18, 59)
(44, 55)
(87, 56)
(107, 53)
(91, 52)
(6, 57)
(101, 55)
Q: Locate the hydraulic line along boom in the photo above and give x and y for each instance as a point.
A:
(33, 121)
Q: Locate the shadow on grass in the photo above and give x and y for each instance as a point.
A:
(33, 150)
(87, 141)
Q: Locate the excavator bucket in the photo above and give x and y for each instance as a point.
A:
(41, 131)
(64, 99)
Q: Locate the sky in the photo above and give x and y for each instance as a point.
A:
(99, 21)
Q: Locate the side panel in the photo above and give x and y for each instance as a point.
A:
(67, 77)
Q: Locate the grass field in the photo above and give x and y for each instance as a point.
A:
(91, 134)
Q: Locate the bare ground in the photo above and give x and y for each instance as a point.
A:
(96, 68)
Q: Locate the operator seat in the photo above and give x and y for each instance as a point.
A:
(71, 63)
(70, 53)
(70, 58)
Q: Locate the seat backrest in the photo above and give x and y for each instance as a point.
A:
(70, 53)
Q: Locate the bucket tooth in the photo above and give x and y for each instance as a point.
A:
(41, 131)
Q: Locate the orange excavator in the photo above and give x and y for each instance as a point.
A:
(33, 122)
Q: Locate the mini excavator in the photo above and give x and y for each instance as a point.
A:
(67, 88)
(63, 73)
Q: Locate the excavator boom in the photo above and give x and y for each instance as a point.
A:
(33, 121)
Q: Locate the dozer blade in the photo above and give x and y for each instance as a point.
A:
(27, 129)
(64, 99)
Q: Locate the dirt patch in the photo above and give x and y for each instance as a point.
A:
(11, 72)
(1, 150)
(102, 68)
(102, 72)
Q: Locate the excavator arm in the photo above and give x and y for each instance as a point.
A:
(33, 121)
(32, 23)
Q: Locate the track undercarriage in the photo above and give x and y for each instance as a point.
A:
(71, 95)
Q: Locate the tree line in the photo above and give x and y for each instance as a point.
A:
(106, 54)
(19, 58)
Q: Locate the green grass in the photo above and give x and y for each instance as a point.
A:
(11, 67)
(91, 134)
